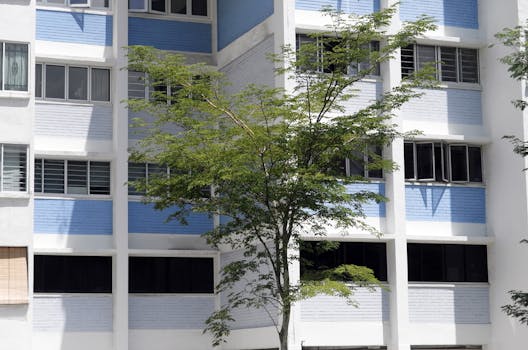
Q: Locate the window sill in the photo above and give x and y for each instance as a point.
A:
(448, 284)
(42, 295)
(170, 17)
(459, 86)
(183, 295)
(444, 184)
(64, 8)
(39, 100)
(93, 197)
(14, 195)
(23, 95)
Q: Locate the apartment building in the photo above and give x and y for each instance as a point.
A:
(85, 265)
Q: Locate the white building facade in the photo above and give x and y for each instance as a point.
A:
(78, 249)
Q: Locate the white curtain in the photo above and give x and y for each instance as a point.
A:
(16, 67)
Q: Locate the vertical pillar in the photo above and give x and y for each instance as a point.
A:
(120, 176)
(395, 191)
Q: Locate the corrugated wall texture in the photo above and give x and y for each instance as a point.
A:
(137, 133)
(63, 216)
(452, 106)
(238, 17)
(90, 122)
(74, 27)
(455, 13)
(443, 203)
(169, 312)
(459, 304)
(66, 313)
(366, 93)
(372, 306)
(246, 318)
(252, 67)
(169, 34)
(371, 209)
(143, 218)
(360, 7)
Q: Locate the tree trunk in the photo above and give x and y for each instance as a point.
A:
(283, 334)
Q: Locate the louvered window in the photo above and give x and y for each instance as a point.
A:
(72, 177)
(143, 172)
(452, 64)
(13, 164)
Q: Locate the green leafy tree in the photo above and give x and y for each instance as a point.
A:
(270, 157)
(517, 62)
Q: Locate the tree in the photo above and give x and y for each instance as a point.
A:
(271, 156)
(517, 62)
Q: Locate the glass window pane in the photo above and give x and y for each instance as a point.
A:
(424, 161)
(438, 162)
(99, 178)
(375, 152)
(78, 2)
(136, 85)
(407, 60)
(136, 171)
(476, 263)
(16, 67)
(14, 176)
(37, 183)
(38, 80)
(55, 76)
(448, 63)
(53, 176)
(199, 7)
(357, 164)
(414, 262)
(78, 83)
(77, 177)
(459, 165)
(408, 155)
(179, 6)
(468, 62)
(426, 55)
(100, 84)
(337, 167)
(100, 3)
(1, 65)
(157, 5)
(475, 164)
(432, 263)
(138, 5)
(454, 263)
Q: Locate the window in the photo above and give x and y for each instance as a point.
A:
(358, 164)
(173, 7)
(442, 162)
(13, 275)
(170, 275)
(317, 61)
(77, 3)
(139, 87)
(447, 263)
(72, 274)
(143, 171)
(13, 168)
(72, 83)
(452, 64)
(72, 177)
(14, 66)
(371, 255)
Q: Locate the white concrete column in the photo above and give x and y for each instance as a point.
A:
(120, 176)
(395, 191)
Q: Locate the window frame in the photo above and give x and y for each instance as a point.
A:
(2, 67)
(146, 178)
(27, 168)
(41, 186)
(67, 4)
(446, 162)
(438, 63)
(89, 97)
(147, 8)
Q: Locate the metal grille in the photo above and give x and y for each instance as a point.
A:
(448, 64)
(136, 171)
(77, 177)
(136, 85)
(14, 168)
(53, 176)
(99, 178)
(407, 61)
(468, 62)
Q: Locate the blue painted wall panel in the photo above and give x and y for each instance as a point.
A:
(446, 204)
(62, 216)
(143, 218)
(237, 17)
(455, 13)
(360, 7)
(453, 106)
(371, 209)
(74, 27)
(170, 35)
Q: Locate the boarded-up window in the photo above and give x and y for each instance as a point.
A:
(13, 275)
